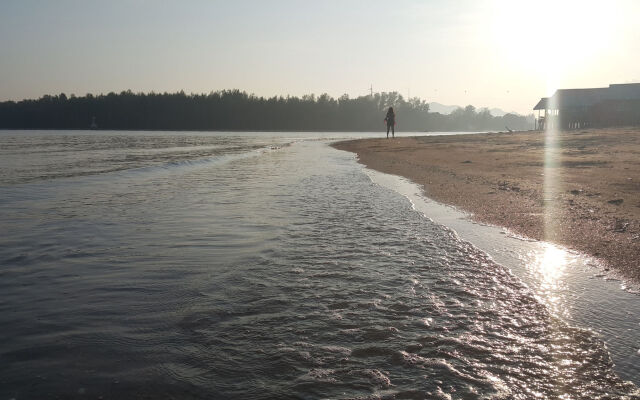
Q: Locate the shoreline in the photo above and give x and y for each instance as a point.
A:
(579, 189)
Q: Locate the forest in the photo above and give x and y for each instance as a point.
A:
(235, 110)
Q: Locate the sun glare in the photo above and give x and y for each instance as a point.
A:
(552, 264)
(552, 38)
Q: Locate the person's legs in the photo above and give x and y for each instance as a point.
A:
(388, 126)
(393, 131)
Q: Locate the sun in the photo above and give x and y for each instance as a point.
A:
(552, 38)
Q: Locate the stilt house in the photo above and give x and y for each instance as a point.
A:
(616, 105)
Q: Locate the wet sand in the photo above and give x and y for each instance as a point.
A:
(580, 189)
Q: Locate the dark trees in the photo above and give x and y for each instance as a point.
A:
(237, 110)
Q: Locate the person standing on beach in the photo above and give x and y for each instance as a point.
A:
(390, 119)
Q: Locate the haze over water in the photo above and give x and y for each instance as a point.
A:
(204, 265)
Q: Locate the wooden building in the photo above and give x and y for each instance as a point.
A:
(616, 105)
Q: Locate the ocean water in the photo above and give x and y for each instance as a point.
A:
(259, 266)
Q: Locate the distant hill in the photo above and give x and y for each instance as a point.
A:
(498, 112)
(441, 108)
(446, 110)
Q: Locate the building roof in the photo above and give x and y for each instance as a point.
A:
(542, 104)
(571, 98)
(578, 98)
(627, 91)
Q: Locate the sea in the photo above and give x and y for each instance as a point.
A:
(269, 265)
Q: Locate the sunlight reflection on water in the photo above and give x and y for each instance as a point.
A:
(568, 283)
(550, 264)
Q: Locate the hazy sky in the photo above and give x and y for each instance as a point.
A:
(503, 54)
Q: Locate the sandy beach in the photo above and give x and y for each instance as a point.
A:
(580, 188)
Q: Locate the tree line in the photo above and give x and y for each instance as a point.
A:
(235, 110)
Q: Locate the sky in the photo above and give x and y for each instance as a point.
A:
(488, 53)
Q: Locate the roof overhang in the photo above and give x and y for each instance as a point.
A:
(542, 104)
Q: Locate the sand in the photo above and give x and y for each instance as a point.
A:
(579, 189)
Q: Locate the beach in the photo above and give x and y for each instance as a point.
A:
(579, 188)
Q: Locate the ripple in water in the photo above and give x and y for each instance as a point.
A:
(284, 275)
